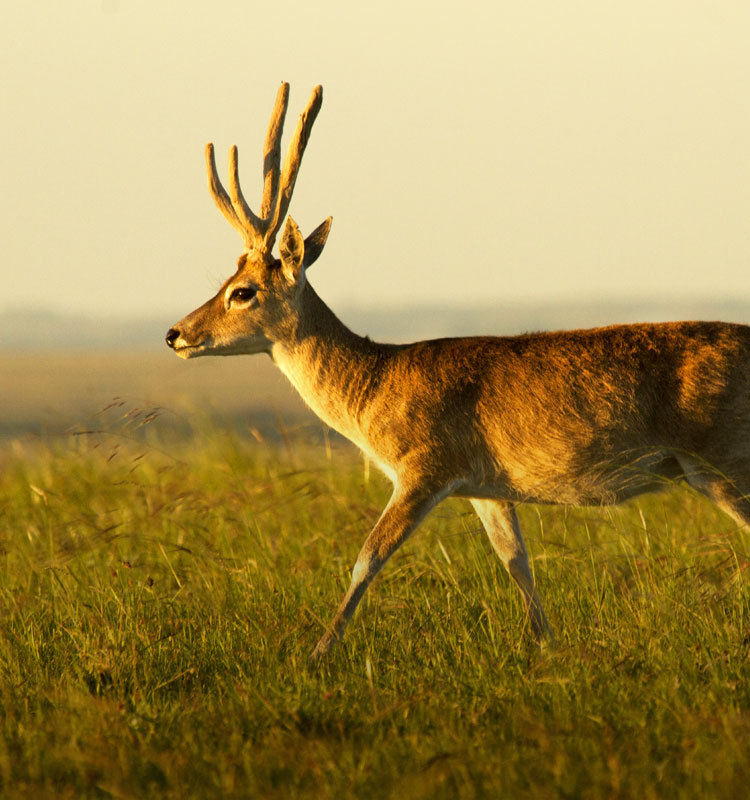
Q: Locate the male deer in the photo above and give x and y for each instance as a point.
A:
(579, 417)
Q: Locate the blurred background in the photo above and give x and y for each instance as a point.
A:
(491, 167)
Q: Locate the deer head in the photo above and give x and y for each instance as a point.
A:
(249, 311)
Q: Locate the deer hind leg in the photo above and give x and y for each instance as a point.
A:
(732, 497)
(405, 510)
(501, 523)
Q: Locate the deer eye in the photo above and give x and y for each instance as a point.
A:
(242, 294)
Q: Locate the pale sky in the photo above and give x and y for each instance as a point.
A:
(468, 152)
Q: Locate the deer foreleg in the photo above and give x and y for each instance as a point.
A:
(405, 510)
(501, 523)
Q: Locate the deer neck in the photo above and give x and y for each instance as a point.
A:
(334, 370)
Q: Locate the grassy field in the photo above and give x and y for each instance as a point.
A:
(160, 594)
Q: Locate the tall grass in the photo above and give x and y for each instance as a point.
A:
(159, 599)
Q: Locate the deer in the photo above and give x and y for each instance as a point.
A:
(581, 417)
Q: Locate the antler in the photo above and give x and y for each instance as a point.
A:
(259, 232)
(272, 151)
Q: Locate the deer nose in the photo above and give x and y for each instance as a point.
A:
(172, 336)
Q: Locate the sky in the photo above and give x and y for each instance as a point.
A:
(469, 153)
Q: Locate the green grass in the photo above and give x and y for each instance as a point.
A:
(158, 602)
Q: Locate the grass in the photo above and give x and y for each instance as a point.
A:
(159, 599)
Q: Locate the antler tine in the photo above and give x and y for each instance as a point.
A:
(292, 164)
(221, 198)
(252, 227)
(272, 152)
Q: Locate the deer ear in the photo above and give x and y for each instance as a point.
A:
(291, 250)
(316, 241)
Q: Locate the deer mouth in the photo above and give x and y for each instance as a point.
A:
(189, 350)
